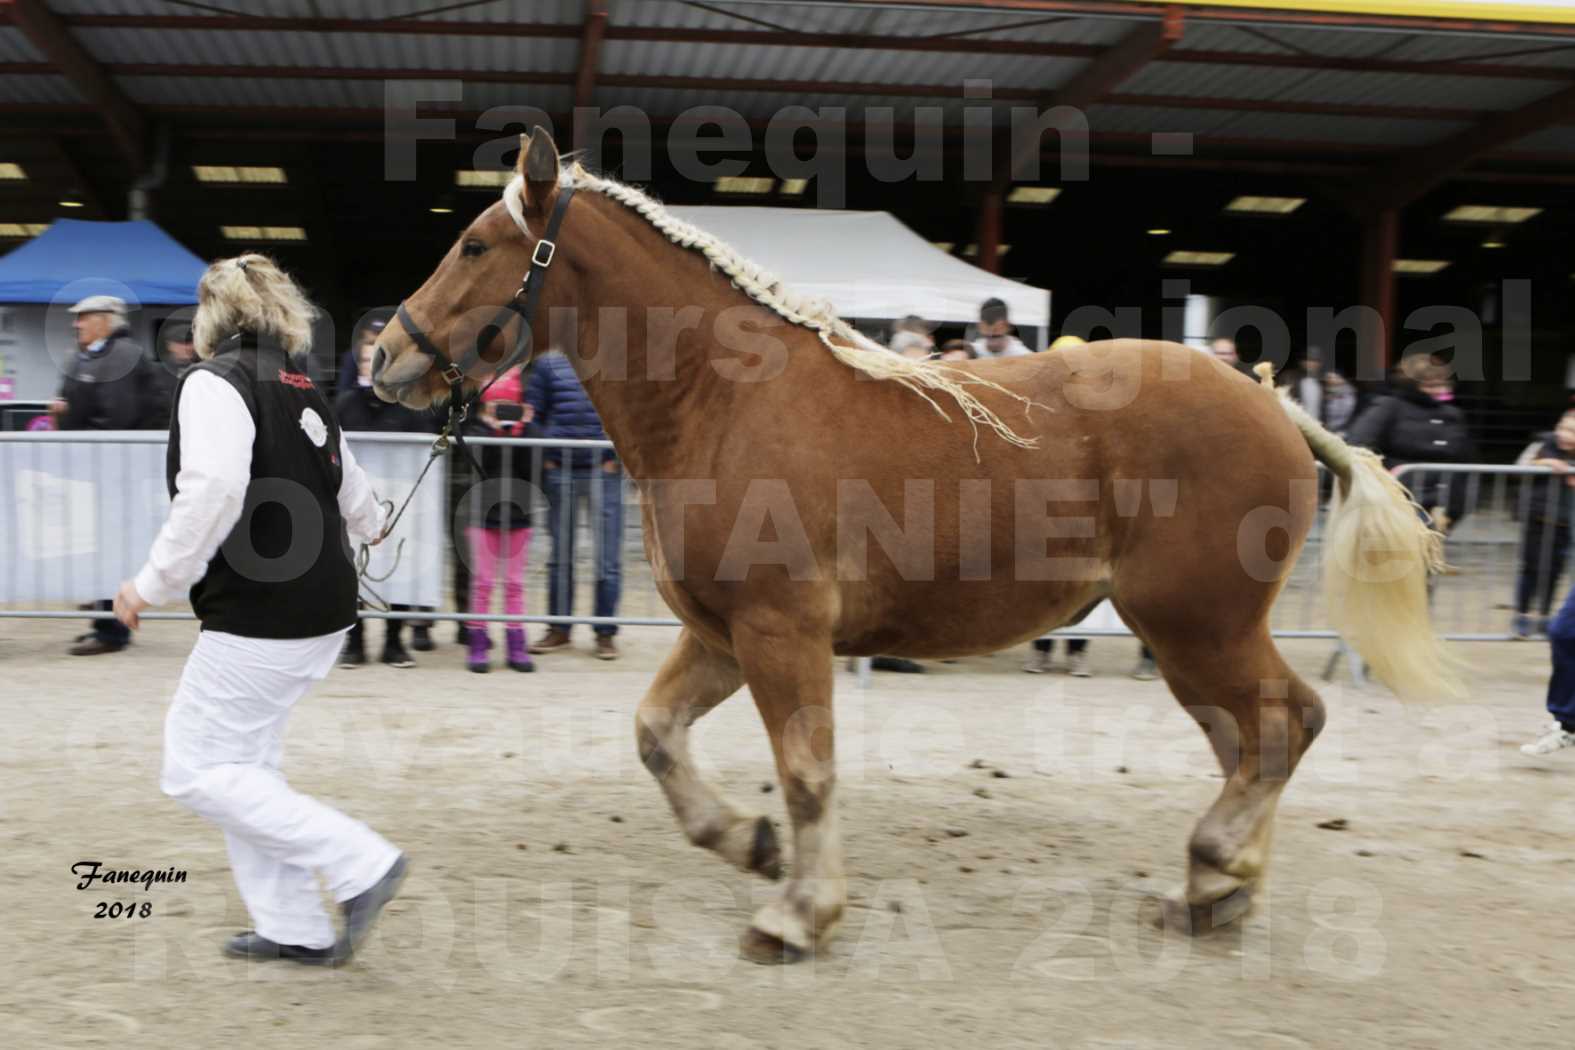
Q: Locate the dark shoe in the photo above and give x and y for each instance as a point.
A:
(518, 655)
(606, 648)
(421, 639)
(361, 911)
(556, 638)
(252, 945)
(394, 654)
(93, 645)
(354, 654)
(461, 633)
(476, 660)
(1145, 671)
(895, 663)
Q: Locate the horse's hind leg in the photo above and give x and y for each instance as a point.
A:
(693, 680)
(1260, 719)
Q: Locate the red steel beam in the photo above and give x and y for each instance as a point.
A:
(590, 51)
(1100, 77)
(45, 31)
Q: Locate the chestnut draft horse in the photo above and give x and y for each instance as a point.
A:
(769, 440)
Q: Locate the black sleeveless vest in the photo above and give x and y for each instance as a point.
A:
(285, 570)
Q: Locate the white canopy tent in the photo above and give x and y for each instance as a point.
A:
(867, 264)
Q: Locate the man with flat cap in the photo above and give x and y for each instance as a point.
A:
(109, 385)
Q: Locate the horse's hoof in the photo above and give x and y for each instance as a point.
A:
(1196, 920)
(760, 947)
(765, 856)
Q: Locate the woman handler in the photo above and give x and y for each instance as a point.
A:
(263, 491)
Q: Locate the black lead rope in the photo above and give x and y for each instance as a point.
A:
(522, 305)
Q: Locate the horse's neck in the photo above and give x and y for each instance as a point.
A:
(669, 390)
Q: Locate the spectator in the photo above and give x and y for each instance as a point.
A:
(1224, 351)
(913, 337)
(1043, 657)
(1545, 537)
(1417, 423)
(359, 409)
(365, 336)
(110, 387)
(995, 332)
(501, 540)
(179, 354)
(956, 350)
(1339, 402)
(1560, 732)
(564, 412)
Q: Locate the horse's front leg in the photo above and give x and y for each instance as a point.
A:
(789, 672)
(693, 680)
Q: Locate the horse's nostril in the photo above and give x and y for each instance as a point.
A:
(377, 362)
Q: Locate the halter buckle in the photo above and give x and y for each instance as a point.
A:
(536, 256)
(453, 374)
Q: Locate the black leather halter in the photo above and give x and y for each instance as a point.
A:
(523, 306)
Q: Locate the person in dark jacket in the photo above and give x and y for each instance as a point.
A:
(1545, 536)
(110, 386)
(564, 412)
(1417, 422)
(179, 354)
(359, 409)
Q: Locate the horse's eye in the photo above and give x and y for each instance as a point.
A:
(472, 249)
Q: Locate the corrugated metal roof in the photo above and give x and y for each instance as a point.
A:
(1550, 140)
(16, 47)
(1442, 48)
(17, 89)
(1200, 80)
(795, 64)
(1357, 130)
(1410, 89)
(762, 106)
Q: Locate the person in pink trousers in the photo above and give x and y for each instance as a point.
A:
(500, 526)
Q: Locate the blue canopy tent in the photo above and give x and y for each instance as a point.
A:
(135, 261)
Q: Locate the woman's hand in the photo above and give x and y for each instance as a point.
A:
(609, 466)
(128, 605)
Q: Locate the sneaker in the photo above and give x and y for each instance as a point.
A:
(1038, 661)
(900, 664)
(606, 648)
(556, 638)
(1557, 738)
(394, 655)
(1145, 671)
(421, 639)
(1523, 629)
(1077, 665)
(354, 653)
(95, 646)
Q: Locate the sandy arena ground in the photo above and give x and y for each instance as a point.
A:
(554, 903)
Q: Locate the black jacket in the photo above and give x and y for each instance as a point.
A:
(285, 569)
(1551, 501)
(112, 389)
(358, 408)
(1408, 426)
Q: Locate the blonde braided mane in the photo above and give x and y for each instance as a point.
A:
(851, 347)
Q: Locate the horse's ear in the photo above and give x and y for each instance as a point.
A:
(539, 164)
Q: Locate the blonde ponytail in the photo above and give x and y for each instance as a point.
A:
(251, 293)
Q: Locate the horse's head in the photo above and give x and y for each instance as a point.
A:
(457, 322)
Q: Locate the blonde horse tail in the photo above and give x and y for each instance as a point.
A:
(1378, 551)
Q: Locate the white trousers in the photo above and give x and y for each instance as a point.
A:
(223, 740)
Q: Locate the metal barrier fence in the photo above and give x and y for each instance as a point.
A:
(81, 509)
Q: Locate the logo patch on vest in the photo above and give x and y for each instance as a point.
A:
(314, 426)
(294, 379)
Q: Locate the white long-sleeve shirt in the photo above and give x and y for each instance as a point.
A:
(216, 435)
